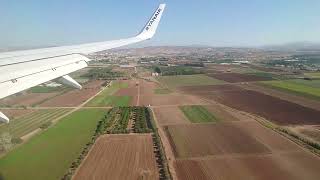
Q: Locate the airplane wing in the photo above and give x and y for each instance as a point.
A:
(20, 70)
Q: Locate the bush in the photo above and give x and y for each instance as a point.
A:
(16, 140)
(46, 125)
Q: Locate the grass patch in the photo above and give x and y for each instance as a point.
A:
(44, 89)
(105, 98)
(313, 75)
(116, 101)
(188, 80)
(162, 91)
(49, 155)
(198, 114)
(298, 87)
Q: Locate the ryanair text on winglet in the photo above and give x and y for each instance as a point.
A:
(153, 19)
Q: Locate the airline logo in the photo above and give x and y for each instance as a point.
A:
(153, 19)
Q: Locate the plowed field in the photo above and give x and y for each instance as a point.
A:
(293, 166)
(120, 157)
(74, 97)
(272, 108)
(213, 139)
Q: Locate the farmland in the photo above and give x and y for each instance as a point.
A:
(198, 114)
(48, 155)
(170, 115)
(299, 87)
(260, 167)
(194, 141)
(28, 123)
(106, 98)
(120, 157)
(188, 80)
(280, 111)
(162, 91)
(74, 97)
(237, 77)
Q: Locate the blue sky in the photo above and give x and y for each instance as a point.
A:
(196, 22)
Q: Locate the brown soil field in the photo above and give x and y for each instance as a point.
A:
(27, 99)
(75, 97)
(147, 88)
(236, 77)
(170, 115)
(15, 113)
(272, 108)
(293, 166)
(220, 113)
(307, 102)
(212, 140)
(120, 157)
(162, 100)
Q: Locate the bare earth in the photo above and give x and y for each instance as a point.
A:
(28, 99)
(74, 97)
(120, 157)
(170, 115)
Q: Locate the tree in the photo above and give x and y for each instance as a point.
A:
(157, 70)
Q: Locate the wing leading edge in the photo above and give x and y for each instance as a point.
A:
(20, 70)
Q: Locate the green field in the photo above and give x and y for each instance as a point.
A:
(50, 154)
(188, 80)
(162, 91)
(313, 75)
(28, 123)
(46, 89)
(198, 114)
(106, 97)
(299, 87)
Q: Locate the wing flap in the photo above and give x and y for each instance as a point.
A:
(22, 83)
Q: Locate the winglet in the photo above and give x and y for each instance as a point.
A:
(151, 27)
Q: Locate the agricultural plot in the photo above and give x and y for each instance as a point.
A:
(304, 88)
(170, 99)
(107, 98)
(198, 114)
(293, 166)
(187, 80)
(170, 115)
(313, 75)
(212, 139)
(74, 97)
(15, 113)
(236, 77)
(162, 91)
(30, 122)
(279, 111)
(49, 155)
(120, 157)
(28, 99)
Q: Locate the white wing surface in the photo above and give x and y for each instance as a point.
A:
(20, 70)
